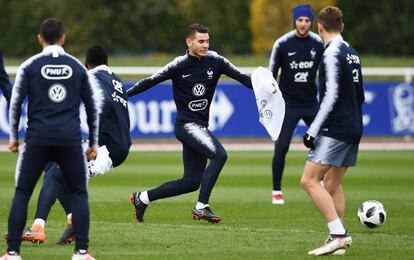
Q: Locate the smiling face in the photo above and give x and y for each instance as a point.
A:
(302, 26)
(198, 44)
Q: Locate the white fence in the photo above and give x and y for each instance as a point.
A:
(406, 72)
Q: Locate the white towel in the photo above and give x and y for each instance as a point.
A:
(102, 164)
(270, 103)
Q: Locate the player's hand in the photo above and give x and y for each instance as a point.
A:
(14, 146)
(91, 153)
(308, 141)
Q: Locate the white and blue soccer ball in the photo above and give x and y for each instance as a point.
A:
(371, 214)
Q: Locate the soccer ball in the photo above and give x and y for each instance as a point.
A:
(371, 214)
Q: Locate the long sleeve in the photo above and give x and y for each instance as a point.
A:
(19, 93)
(4, 80)
(333, 74)
(92, 97)
(275, 59)
(149, 82)
(233, 72)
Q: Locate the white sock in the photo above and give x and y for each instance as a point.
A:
(277, 192)
(39, 221)
(201, 205)
(82, 251)
(144, 197)
(336, 227)
(12, 253)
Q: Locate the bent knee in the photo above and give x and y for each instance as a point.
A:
(331, 186)
(304, 183)
(308, 183)
(190, 185)
(281, 149)
(221, 156)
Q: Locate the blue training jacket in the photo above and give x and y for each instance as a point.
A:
(194, 83)
(298, 59)
(55, 84)
(114, 117)
(341, 93)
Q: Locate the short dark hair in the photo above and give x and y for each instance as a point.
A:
(195, 27)
(331, 19)
(51, 30)
(96, 55)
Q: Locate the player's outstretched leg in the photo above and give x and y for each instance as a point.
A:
(139, 206)
(205, 214)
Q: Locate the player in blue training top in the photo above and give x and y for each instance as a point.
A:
(297, 54)
(55, 84)
(336, 130)
(194, 76)
(4, 80)
(114, 143)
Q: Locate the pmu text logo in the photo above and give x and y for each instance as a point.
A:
(56, 71)
(197, 105)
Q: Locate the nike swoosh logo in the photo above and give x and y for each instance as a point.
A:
(291, 53)
(185, 75)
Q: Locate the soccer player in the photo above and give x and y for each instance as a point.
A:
(297, 54)
(4, 80)
(336, 131)
(114, 142)
(194, 77)
(55, 83)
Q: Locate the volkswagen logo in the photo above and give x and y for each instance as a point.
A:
(57, 93)
(199, 90)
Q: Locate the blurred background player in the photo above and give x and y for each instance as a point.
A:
(55, 84)
(114, 143)
(297, 53)
(336, 131)
(4, 80)
(194, 77)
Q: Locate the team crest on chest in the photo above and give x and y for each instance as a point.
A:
(57, 93)
(209, 73)
(199, 90)
(313, 53)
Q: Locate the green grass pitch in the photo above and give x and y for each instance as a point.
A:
(252, 228)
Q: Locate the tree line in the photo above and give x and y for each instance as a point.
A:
(236, 26)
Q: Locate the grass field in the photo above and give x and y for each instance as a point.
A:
(252, 228)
